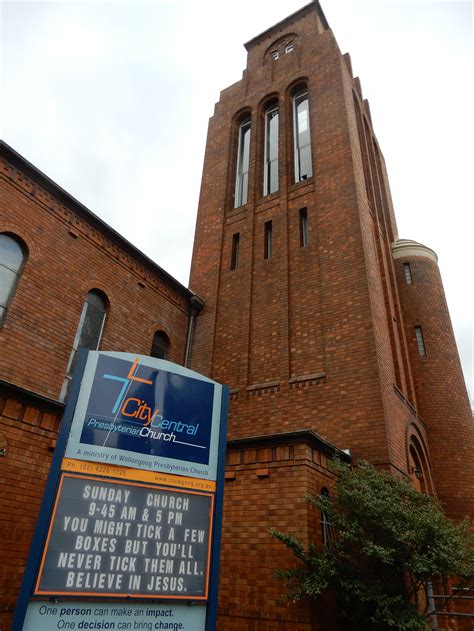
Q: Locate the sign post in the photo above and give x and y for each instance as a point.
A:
(129, 530)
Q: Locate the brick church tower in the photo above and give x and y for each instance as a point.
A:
(332, 333)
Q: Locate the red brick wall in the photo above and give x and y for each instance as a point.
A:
(314, 337)
(67, 257)
(305, 339)
(440, 388)
(30, 436)
(266, 489)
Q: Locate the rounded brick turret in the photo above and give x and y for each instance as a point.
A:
(441, 394)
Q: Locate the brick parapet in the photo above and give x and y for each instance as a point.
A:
(266, 487)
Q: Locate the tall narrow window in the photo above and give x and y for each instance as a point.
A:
(270, 176)
(160, 345)
(12, 257)
(303, 227)
(303, 166)
(420, 341)
(243, 155)
(267, 251)
(328, 531)
(234, 257)
(408, 276)
(89, 332)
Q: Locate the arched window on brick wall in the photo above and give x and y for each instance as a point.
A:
(89, 331)
(419, 468)
(12, 259)
(271, 145)
(302, 134)
(243, 163)
(160, 345)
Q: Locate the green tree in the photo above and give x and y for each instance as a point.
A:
(390, 541)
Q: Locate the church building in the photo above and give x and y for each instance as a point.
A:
(332, 333)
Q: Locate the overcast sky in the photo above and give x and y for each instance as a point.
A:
(111, 100)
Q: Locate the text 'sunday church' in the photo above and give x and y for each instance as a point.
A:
(332, 333)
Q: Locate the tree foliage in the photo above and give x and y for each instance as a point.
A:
(390, 541)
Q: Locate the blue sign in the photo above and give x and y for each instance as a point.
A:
(146, 413)
(139, 408)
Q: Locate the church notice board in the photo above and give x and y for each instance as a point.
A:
(133, 507)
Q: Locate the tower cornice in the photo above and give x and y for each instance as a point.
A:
(287, 21)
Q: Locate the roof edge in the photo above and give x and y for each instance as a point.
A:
(312, 5)
(18, 161)
(308, 436)
(405, 248)
(29, 397)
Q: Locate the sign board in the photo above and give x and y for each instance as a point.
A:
(138, 412)
(132, 508)
(110, 539)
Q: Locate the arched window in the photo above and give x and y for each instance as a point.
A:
(160, 345)
(302, 137)
(89, 332)
(270, 175)
(243, 160)
(12, 258)
(419, 462)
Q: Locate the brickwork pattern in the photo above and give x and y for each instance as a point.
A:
(304, 338)
(67, 257)
(440, 389)
(30, 437)
(314, 337)
(266, 489)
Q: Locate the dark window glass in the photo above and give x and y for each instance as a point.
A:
(160, 345)
(88, 334)
(270, 180)
(267, 253)
(328, 531)
(408, 276)
(303, 227)
(302, 140)
(420, 341)
(243, 155)
(234, 261)
(12, 257)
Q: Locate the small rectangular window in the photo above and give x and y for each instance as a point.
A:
(408, 276)
(420, 341)
(234, 258)
(267, 253)
(303, 227)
